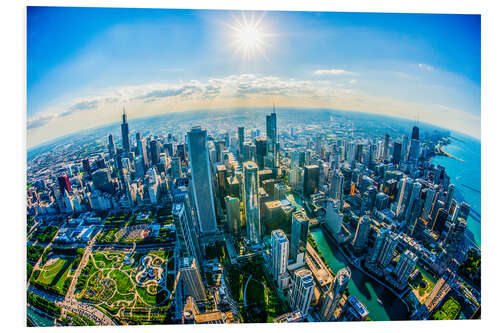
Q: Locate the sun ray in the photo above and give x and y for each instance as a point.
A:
(249, 36)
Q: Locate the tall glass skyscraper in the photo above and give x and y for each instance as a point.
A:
(251, 199)
(201, 180)
(183, 220)
(125, 137)
(111, 146)
(272, 140)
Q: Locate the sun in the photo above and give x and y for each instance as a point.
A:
(249, 36)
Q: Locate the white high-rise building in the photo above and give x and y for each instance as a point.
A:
(279, 251)
(399, 205)
(302, 291)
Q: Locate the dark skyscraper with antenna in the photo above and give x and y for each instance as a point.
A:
(415, 133)
(125, 137)
(272, 140)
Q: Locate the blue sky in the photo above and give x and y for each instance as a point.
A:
(85, 64)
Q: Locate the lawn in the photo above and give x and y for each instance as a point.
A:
(162, 254)
(123, 282)
(149, 299)
(423, 286)
(49, 272)
(449, 310)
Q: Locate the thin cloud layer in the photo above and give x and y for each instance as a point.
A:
(333, 71)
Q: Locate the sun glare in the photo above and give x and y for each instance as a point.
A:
(249, 37)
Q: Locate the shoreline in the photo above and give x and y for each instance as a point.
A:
(475, 217)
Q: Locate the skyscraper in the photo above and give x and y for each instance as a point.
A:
(64, 185)
(404, 151)
(302, 291)
(260, 151)
(201, 180)
(414, 217)
(385, 152)
(337, 187)
(449, 197)
(252, 201)
(362, 231)
(233, 214)
(439, 221)
(271, 127)
(111, 146)
(415, 133)
(241, 142)
(396, 155)
(86, 165)
(279, 252)
(175, 167)
(300, 232)
(464, 210)
(429, 201)
(333, 216)
(399, 202)
(383, 248)
(154, 147)
(185, 229)
(191, 278)
(272, 140)
(406, 265)
(414, 153)
(141, 149)
(333, 296)
(125, 137)
(415, 195)
(311, 180)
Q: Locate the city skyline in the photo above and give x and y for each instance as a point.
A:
(403, 65)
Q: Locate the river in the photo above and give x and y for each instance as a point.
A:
(360, 285)
(38, 319)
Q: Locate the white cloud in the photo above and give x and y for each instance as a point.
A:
(426, 67)
(333, 71)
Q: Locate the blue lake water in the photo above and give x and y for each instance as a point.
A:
(466, 176)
